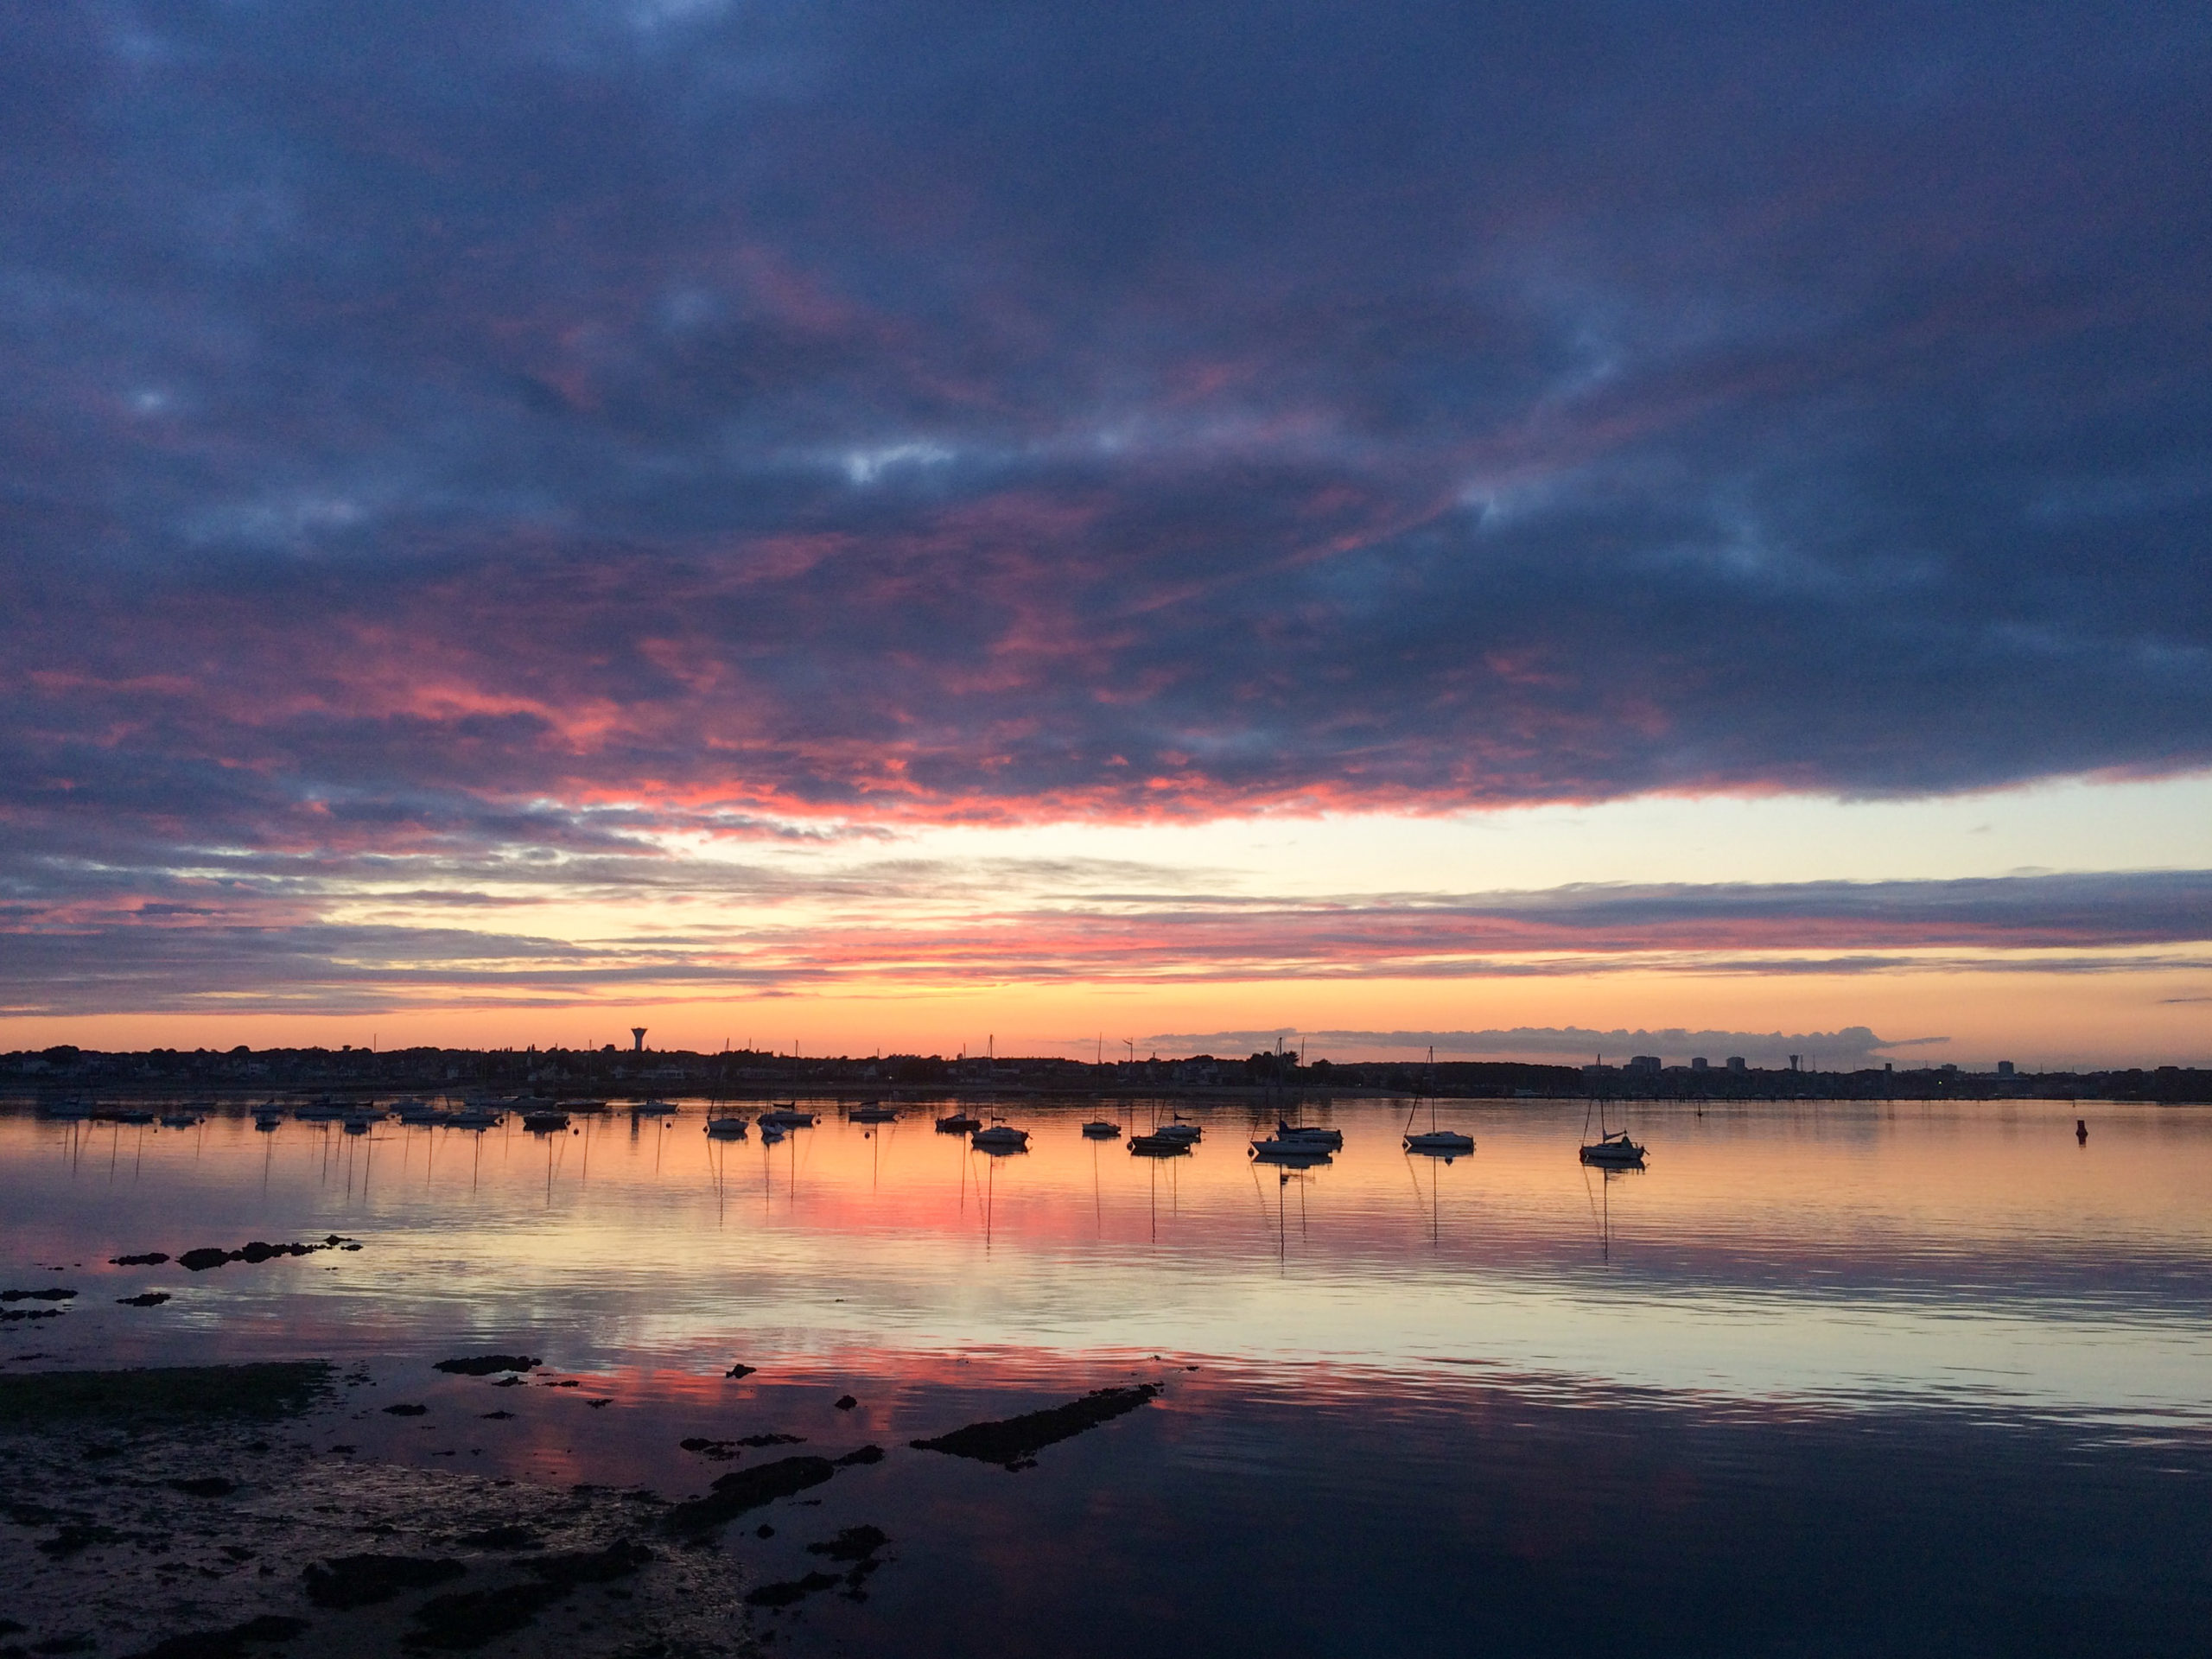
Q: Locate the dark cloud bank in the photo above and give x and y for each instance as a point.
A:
(423, 422)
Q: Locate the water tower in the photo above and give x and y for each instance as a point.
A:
(636, 1039)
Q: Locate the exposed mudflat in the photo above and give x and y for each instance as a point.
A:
(188, 1514)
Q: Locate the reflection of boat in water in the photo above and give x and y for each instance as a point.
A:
(65, 1111)
(873, 1112)
(1614, 1151)
(730, 1128)
(999, 1137)
(178, 1120)
(537, 1122)
(1099, 1129)
(959, 1123)
(1294, 1155)
(1160, 1145)
(769, 1132)
(266, 1119)
(785, 1114)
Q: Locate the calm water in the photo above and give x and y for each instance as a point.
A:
(1843, 1380)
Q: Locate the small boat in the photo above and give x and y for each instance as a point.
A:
(1158, 1145)
(134, 1117)
(178, 1120)
(65, 1111)
(417, 1111)
(1440, 1143)
(1177, 1130)
(580, 1106)
(357, 1125)
(785, 1114)
(654, 1108)
(1329, 1139)
(1614, 1151)
(267, 1119)
(959, 1123)
(999, 1137)
(1099, 1129)
(873, 1112)
(1298, 1154)
(1433, 1141)
(473, 1117)
(539, 1121)
(730, 1128)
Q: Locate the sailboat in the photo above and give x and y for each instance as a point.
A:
(1435, 1143)
(873, 1112)
(1613, 1150)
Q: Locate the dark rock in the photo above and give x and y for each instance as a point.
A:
(54, 1295)
(71, 1538)
(866, 1454)
(406, 1410)
(509, 1537)
(846, 1402)
(144, 1299)
(783, 1595)
(151, 1259)
(200, 1260)
(469, 1619)
(1015, 1440)
(8, 1627)
(748, 1488)
(14, 1314)
(487, 1365)
(618, 1560)
(723, 1450)
(764, 1530)
(204, 1486)
(508, 1382)
(740, 1370)
(852, 1544)
(363, 1580)
(226, 1644)
(756, 1441)
(596, 1404)
(497, 1416)
(565, 1382)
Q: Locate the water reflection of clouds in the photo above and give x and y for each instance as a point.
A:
(1855, 1253)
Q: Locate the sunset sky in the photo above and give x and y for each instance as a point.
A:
(1539, 531)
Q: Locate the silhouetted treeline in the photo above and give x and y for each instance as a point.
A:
(627, 1071)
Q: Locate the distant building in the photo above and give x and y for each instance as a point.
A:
(1736, 1063)
(2004, 1068)
(1643, 1063)
(1697, 1063)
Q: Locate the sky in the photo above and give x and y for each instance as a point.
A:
(1538, 531)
